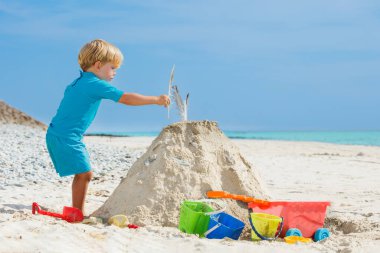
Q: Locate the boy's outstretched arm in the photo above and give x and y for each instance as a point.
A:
(138, 99)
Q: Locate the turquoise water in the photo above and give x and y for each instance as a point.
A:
(368, 138)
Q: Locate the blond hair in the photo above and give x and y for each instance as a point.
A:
(99, 50)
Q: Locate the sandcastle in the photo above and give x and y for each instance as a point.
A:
(185, 161)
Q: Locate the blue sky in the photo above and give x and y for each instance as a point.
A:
(250, 65)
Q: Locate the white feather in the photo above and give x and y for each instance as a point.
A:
(182, 105)
(170, 87)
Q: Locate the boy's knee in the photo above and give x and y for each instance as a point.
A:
(88, 175)
(85, 176)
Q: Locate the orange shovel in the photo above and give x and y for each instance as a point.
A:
(246, 199)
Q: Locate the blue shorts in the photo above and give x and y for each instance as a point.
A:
(69, 156)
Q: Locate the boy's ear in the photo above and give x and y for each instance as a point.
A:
(97, 65)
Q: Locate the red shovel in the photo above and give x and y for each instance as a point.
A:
(70, 214)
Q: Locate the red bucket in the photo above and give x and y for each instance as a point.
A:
(306, 216)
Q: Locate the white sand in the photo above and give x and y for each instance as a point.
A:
(346, 175)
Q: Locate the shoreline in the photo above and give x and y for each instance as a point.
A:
(89, 137)
(356, 138)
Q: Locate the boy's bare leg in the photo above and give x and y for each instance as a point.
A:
(79, 189)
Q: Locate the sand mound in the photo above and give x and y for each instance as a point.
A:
(10, 115)
(185, 161)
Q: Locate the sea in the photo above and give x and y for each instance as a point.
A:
(366, 138)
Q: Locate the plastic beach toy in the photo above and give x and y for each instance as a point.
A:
(224, 225)
(265, 226)
(300, 218)
(118, 220)
(195, 216)
(69, 214)
(294, 239)
(321, 234)
(246, 199)
(121, 221)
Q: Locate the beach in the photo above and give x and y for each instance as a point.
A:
(345, 175)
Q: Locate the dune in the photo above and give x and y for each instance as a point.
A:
(11, 115)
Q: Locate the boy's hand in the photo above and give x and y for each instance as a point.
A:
(163, 100)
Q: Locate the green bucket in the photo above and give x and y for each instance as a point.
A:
(194, 217)
(265, 226)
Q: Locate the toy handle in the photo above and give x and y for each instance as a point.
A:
(243, 198)
(36, 208)
(263, 237)
(57, 215)
(220, 203)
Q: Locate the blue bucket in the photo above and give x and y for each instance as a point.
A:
(224, 225)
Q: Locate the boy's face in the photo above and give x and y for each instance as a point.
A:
(106, 71)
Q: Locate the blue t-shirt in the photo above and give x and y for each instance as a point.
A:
(80, 105)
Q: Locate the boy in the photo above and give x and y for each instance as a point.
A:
(99, 60)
